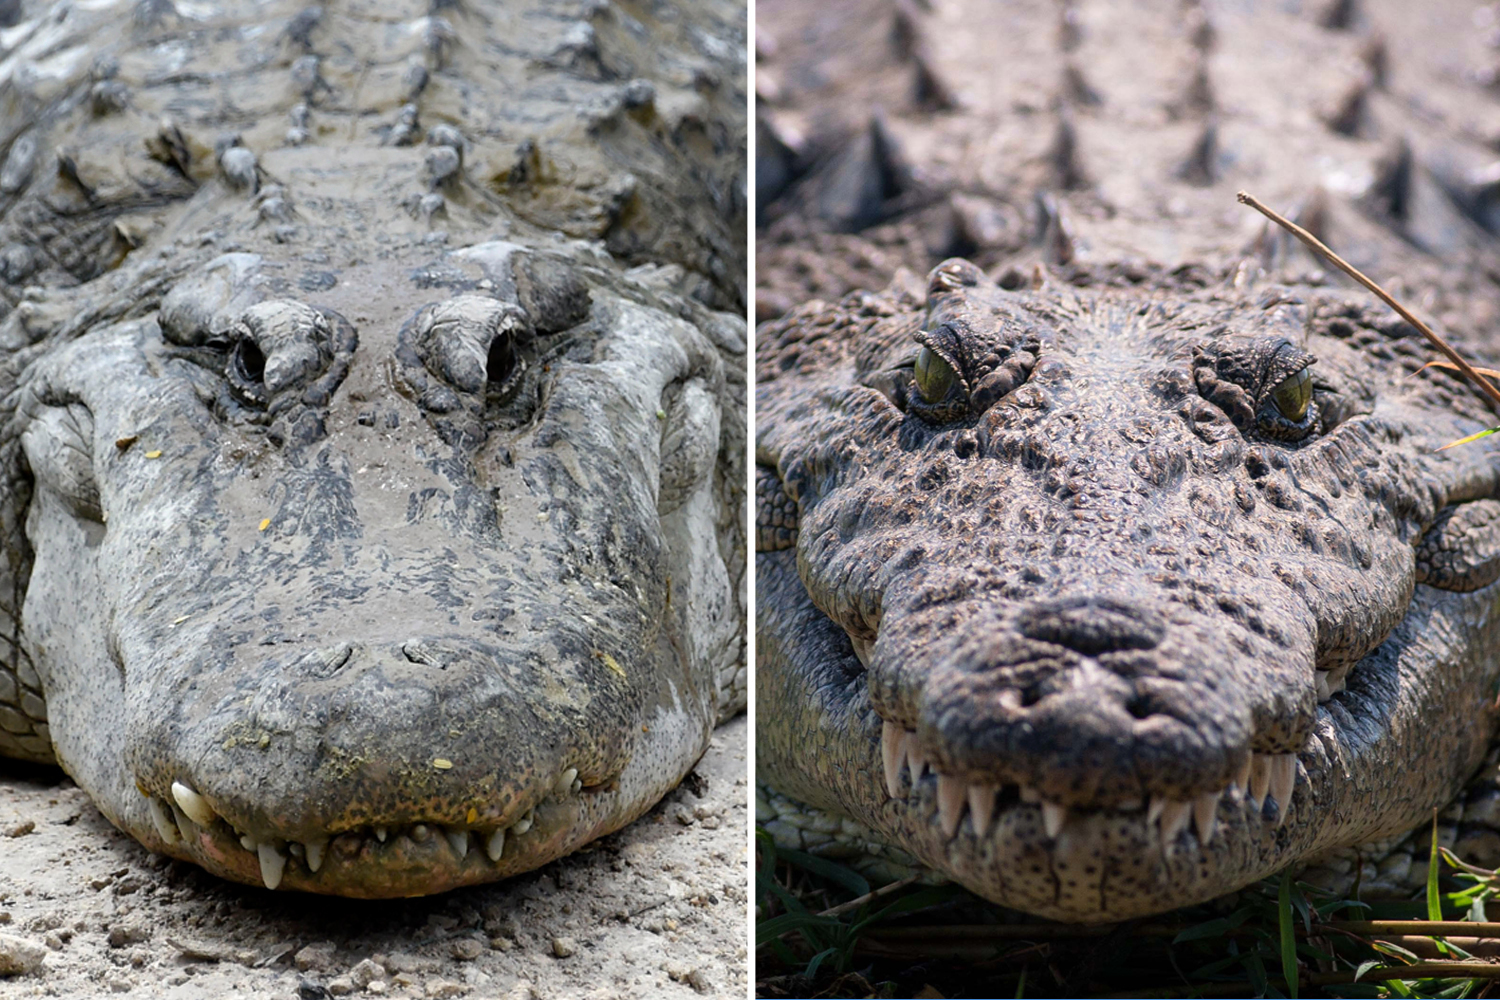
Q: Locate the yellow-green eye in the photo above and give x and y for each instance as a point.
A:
(933, 375)
(1293, 395)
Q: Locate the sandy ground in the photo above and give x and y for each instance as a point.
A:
(656, 910)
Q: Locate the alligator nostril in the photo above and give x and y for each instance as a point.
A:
(1091, 625)
(250, 361)
(500, 362)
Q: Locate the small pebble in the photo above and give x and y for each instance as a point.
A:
(564, 947)
(20, 956)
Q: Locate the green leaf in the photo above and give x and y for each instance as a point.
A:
(1021, 986)
(1366, 966)
(1471, 437)
(823, 868)
(817, 960)
(1288, 935)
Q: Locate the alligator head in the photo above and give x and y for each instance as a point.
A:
(1103, 603)
(417, 582)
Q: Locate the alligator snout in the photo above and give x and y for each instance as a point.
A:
(1091, 625)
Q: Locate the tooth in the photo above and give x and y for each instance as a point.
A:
(1260, 777)
(892, 753)
(381, 833)
(1283, 778)
(1242, 776)
(576, 787)
(494, 844)
(523, 824)
(1321, 680)
(950, 796)
(459, 840)
(1153, 811)
(1174, 817)
(161, 818)
(1205, 815)
(195, 805)
(248, 842)
(295, 849)
(1030, 795)
(1336, 679)
(272, 862)
(1010, 698)
(1054, 815)
(185, 826)
(981, 807)
(915, 760)
(315, 849)
(565, 781)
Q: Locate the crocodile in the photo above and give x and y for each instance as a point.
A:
(373, 425)
(1117, 563)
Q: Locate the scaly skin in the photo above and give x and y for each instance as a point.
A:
(1099, 631)
(348, 553)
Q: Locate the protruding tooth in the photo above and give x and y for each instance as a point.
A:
(950, 796)
(272, 863)
(565, 781)
(248, 843)
(981, 807)
(1154, 810)
(1010, 698)
(315, 849)
(892, 753)
(1174, 817)
(185, 826)
(1054, 815)
(1336, 678)
(494, 844)
(459, 840)
(1283, 779)
(420, 832)
(1206, 816)
(195, 805)
(161, 818)
(1321, 680)
(1242, 776)
(1030, 795)
(523, 824)
(381, 833)
(296, 850)
(1260, 778)
(916, 761)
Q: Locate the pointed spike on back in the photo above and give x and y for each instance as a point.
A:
(1076, 89)
(1067, 163)
(930, 92)
(1350, 116)
(951, 794)
(1391, 191)
(1201, 167)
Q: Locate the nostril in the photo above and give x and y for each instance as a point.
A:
(500, 362)
(326, 662)
(249, 360)
(1092, 626)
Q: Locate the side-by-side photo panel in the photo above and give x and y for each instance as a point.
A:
(1126, 601)
(373, 564)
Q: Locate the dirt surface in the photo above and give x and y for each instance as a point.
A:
(656, 910)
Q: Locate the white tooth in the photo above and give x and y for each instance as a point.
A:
(295, 850)
(381, 833)
(1153, 811)
(523, 824)
(576, 787)
(1336, 679)
(272, 862)
(1030, 795)
(1174, 817)
(565, 781)
(1054, 815)
(950, 796)
(1010, 698)
(494, 844)
(1321, 680)
(981, 807)
(1260, 778)
(459, 841)
(185, 826)
(892, 753)
(161, 818)
(862, 649)
(195, 805)
(1283, 779)
(315, 849)
(420, 833)
(248, 842)
(1242, 776)
(1206, 815)
(915, 759)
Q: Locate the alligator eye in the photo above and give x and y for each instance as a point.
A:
(1293, 395)
(249, 362)
(933, 375)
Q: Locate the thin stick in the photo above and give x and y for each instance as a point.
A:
(855, 904)
(1316, 245)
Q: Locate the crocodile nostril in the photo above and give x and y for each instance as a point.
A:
(1091, 625)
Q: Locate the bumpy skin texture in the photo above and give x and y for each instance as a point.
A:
(1092, 624)
(337, 559)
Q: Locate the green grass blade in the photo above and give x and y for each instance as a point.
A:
(1288, 935)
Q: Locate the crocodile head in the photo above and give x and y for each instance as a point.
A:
(381, 590)
(1105, 603)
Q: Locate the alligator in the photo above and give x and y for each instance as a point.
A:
(374, 389)
(1117, 563)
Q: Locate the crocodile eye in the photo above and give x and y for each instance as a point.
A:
(933, 375)
(1293, 395)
